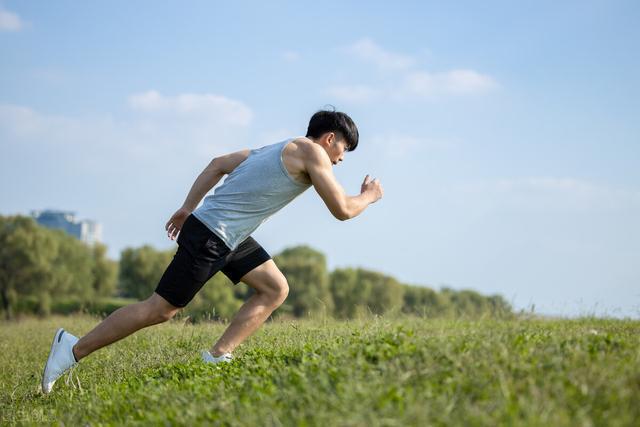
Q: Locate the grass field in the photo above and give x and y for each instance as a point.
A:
(376, 371)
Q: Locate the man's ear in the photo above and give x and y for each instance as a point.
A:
(332, 139)
(329, 137)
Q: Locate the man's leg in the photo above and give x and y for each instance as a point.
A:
(271, 290)
(123, 322)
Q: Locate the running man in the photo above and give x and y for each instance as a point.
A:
(217, 237)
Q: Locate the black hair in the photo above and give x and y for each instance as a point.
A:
(334, 121)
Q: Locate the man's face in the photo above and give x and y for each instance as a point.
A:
(336, 149)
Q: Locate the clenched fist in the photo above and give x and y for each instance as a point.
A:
(373, 187)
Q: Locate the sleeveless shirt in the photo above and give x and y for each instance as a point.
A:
(256, 189)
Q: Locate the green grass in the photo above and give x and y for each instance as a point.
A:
(377, 371)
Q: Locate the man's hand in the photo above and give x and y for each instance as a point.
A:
(174, 225)
(317, 164)
(372, 187)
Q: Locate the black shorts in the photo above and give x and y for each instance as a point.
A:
(200, 255)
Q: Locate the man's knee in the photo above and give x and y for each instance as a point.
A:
(273, 290)
(268, 282)
(278, 291)
(160, 310)
(165, 315)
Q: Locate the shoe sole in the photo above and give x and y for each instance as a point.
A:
(56, 337)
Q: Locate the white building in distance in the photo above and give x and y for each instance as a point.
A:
(87, 231)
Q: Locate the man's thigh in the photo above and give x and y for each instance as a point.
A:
(185, 276)
(199, 256)
(248, 256)
(266, 278)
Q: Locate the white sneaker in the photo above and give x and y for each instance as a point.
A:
(209, 358)
(60, 358)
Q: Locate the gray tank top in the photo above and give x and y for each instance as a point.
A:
(256, 189)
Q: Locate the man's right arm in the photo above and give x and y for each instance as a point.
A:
(209, 177)
(341, 206)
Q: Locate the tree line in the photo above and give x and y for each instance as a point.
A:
(45, 271)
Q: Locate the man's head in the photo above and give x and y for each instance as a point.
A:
(335, 132)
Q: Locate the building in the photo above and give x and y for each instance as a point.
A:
(87, 231)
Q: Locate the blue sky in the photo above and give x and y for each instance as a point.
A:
(505, 134)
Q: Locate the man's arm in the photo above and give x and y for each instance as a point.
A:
(208, 178)
(211, 175)
(342, 206)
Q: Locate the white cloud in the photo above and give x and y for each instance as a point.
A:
(460, 82)
(195, 106)
(19, 124)
(156, 127)
(406, 81)
(203, 122)
(130, 171)
(183, 131)
(9, 21)
(367, 50)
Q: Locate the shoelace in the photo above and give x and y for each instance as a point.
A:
(70, 377)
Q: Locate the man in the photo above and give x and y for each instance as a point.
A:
(216, 237)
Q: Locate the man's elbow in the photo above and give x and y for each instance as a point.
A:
(343, 215)
(340, 209)
(216, 166)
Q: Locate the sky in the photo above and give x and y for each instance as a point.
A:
(505, 134)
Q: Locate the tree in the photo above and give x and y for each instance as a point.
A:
(141, 270)
(386, 293)
(39, 266)
(423, 301)
(105, 272)
(499, 306)
(347, 293)
(306, 273)
(216, 300)
(357, 290)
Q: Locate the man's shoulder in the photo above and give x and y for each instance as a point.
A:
(306, 148)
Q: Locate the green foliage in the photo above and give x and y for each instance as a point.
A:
(46, 265)
(105, 272)
(141, 270)
(98, 306)
(385, 292)
(423, 301)
(347, 292)
(215, 301)
(472, 304)
(359, 290)
(373, 371)
(306, 273)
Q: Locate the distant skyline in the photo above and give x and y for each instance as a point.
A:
(506, 135)
(86, 230)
